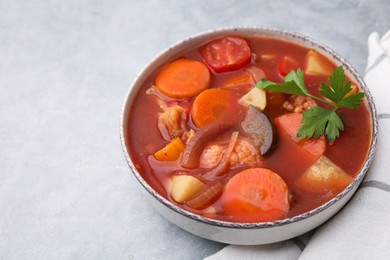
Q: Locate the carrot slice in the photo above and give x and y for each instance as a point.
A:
(183, 78)
(239, 81)
(291, 123)
(214, 105)
(255, 195)
(171, 151)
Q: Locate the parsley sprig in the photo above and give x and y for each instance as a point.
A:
(318, 120)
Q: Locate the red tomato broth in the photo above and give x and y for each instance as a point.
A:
(348, 151)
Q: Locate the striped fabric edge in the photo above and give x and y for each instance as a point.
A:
(383, 116)
(375, 184)
(376, 62)
(299, 243)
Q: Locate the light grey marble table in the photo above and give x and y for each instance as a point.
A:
(65, 67)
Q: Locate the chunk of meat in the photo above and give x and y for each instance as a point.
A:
(172, 122)
(299, 104)
(211, 155)
(196, 144)
(223, 164)
(244, 152)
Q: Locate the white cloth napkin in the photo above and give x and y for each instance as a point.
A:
(361, 230)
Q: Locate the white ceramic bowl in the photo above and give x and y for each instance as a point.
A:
(247, 233)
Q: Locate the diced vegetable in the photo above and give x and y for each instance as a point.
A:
(226, 54)
(286, 64)
(209, 212)
(291, 123)
(255, 195)
(324, 176)
(239, 81)
(257, 125)
(317, 64)
(183, 78)
(255, 97)
(195, 145)
(171, 151)
(268, 57)
(172, 122)
(186, 187)
(214, 105)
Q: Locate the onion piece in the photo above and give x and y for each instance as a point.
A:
(223, 164)
(206, 197)
(194, 148)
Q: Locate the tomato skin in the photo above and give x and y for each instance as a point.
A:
(226, 54)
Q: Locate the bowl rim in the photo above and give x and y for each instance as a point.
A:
(274, 32)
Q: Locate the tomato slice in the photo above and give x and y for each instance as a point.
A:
(226, 54)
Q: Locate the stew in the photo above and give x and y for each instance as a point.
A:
(207, 139)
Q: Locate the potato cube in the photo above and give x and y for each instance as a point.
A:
(185, 187)
(324, 176)
(317, 64)
(255, 97)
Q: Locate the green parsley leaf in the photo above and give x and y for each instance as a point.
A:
(338, 90)
(294, 84)
(352, 101)
(298, 78)
(318, 121)
(336, 81)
